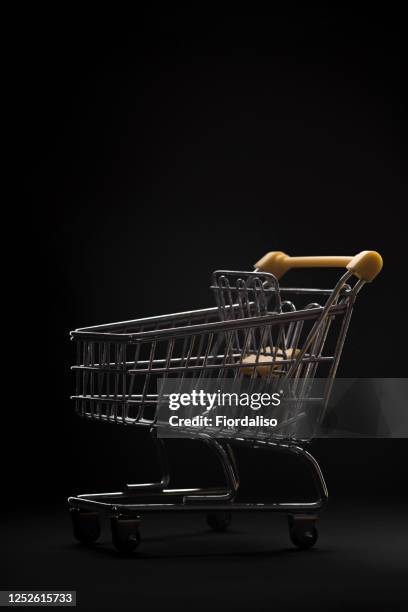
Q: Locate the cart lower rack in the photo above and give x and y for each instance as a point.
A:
(259, 333)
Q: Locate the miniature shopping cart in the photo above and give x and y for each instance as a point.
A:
(258, 332)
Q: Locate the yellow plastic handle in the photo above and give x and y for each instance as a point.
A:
(365, 266)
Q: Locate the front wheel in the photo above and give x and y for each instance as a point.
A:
(86, 526)
(303, 531)
(125, 534)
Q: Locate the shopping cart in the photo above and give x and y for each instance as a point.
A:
(257, 332)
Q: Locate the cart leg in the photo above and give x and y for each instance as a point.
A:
(302, 526)
(219, 521)
(317, 475)
(164, 468)
(303, 516)
(229, 466)
(314, 470)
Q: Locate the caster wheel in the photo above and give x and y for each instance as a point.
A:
(219, 521)
(125, 534)
(303, 531)
(86, 526)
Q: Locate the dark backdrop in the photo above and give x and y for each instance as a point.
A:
(155, 151)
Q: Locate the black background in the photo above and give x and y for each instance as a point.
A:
(157, 148)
